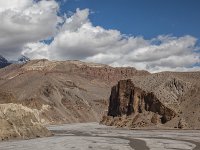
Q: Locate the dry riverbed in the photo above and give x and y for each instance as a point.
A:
(92, 136)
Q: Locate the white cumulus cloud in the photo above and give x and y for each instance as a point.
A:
(25, 23)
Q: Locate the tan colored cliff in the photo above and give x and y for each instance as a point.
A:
(17, 121)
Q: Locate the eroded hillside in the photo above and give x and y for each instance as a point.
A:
(161, 100)
(72, 91)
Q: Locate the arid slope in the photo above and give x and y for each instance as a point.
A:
(74, 91)
(161, 100)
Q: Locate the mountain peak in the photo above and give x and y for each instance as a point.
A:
(23, 59)
(3, 62)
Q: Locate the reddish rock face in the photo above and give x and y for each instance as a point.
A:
(110, 74)
(126, 99)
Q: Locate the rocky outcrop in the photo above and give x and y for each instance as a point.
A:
(163, 100)
(17, 121)
(128, 100)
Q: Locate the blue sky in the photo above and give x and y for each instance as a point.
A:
(147, 18)
(153, 35)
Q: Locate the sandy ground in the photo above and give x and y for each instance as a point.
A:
(92, 136)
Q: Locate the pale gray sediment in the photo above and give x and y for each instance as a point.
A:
(91, 136)
(136, 144)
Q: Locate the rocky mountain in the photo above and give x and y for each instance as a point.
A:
(23, 59)
(42, 92)
(161, 100)
(3, 62)
(62, 91)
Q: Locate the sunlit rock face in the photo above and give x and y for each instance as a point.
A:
(161, 100)
(17, 121)
(128, 100)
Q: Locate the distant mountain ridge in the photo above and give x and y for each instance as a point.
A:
(21, 60)
(3, 62)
